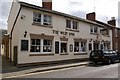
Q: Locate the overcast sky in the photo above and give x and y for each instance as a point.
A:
(105, 9)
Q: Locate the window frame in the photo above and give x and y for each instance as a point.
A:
(34, 17)
(71, 24)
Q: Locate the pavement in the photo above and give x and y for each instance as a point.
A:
(9, 71)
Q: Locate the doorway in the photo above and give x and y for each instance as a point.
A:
(63, 47)
(15, 55)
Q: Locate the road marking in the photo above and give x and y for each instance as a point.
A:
(42, 72)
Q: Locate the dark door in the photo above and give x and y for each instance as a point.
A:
(15, 55)
(63, 47)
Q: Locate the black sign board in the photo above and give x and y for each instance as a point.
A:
(56, 47)
(24, 45)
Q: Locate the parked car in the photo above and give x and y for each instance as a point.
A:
(104, 56)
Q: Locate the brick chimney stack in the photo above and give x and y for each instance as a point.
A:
(91, 16)
(112, 21)
(47, 4)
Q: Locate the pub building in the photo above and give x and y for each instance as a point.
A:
(39, 34)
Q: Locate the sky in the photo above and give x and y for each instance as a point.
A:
(105, 9)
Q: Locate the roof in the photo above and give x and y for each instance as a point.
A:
(101, 24)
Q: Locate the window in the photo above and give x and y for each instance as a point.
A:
(71, 24)
(36, 18)
(93, 29)
(35, 45)
(68, 23)
(83, 46)
(47, 20)
(76, 46)
(75, 24)
(47, 45)
(42, 19)
(79, 46)
(105, 32)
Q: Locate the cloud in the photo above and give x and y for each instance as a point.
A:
(104, 8)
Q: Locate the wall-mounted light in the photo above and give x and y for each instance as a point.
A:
(90, 39)
(25, 33)
(22, 16)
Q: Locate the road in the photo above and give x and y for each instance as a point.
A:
(89, 71)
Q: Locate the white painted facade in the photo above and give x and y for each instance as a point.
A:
(58, 24)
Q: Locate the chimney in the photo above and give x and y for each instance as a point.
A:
(91, 16)
(47, 4)
(112, 21)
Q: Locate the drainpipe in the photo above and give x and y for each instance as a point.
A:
(12, 32)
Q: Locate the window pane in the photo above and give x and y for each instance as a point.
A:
(47, 20)
(37, 41)
(37, 48)
(76, 46)
(32, 49)
(75, 24)
(36, 17)
(83, 46)
(47, 46)
(95, 29)
(68, 23)
(32, 41)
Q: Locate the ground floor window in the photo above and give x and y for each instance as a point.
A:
(76, 46)
(83, 46)
(79, 46)
(106, 46)
(47, 45)
(37, 44)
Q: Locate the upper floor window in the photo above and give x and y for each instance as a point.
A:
(68, 23)
(42, 19)
(105, 32)
(75, 24)
(47, 20)
(71, 24)
(36, 17)
(93, 29)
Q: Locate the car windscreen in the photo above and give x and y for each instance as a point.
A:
(96, 53)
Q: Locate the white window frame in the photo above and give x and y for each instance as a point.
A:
(71, 24)
(47, 46)
(80, 51)
(93, 29)
(41, 46)
(42, 19)
(36, 17)
(49, 22)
